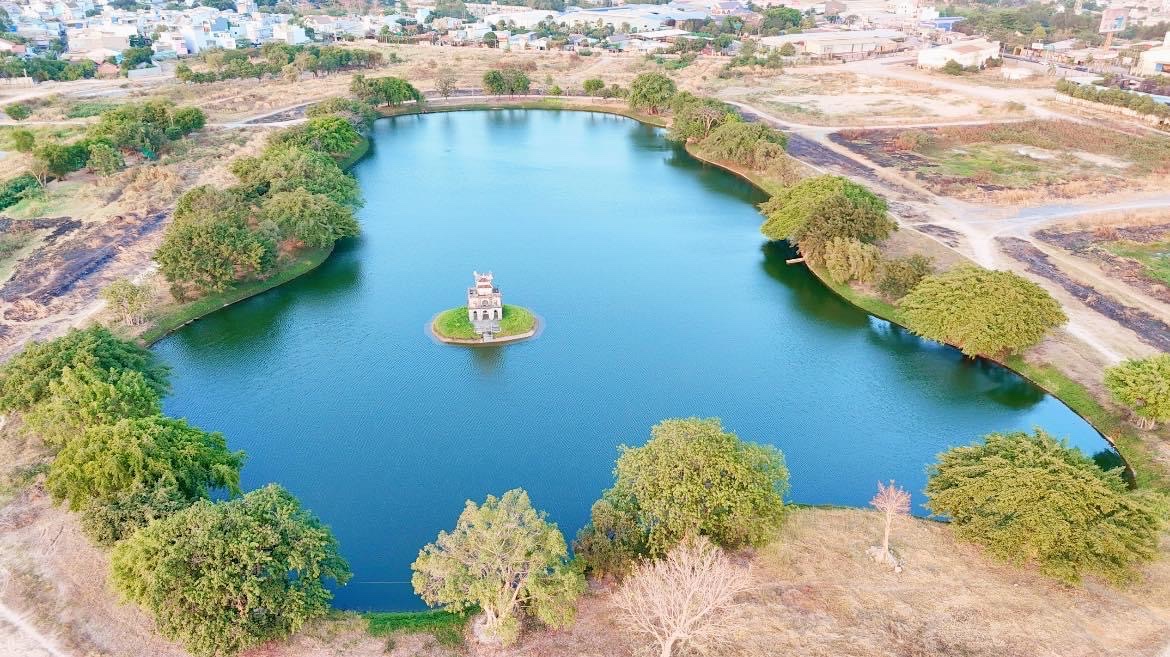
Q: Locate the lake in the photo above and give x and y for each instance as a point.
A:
(660, 299)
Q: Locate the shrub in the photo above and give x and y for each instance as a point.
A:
(913, 140)
(1028, 498)
(1143, 385)
(953, 68)
(593, 86)
(613, 540)
(115, 517)
(360, 114)
(981, 311)
(14, 190)
(333, 135)
(23, 141)
(221, 578)
(510, 81)
(104, 159)
(17, 111)
(897, 277)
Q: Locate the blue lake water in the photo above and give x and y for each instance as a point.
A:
(660, 298)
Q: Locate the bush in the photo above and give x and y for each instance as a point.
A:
(104, 159)
(981, 311)
(23, 141)
(953, 68)
(17, 111)
(360, 114)
(897, 277)
(221, 578)
(333, 135)
(510, 81)
(14, 190)
(1028, 498)
(593, 86)
(117, 516)
(1143, 385)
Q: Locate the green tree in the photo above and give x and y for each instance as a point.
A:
(333, 135)
(1028, 498)
(213, 254)
(789, 211)
(1143, 385)
(104, 159)
(287, 167)
(847, 259)
(221, 578)
(23, 141)
(788, 50)
(503, 557)
(651, 92)
(314, 219)
(17, 111)
(695, 118)
(613, 540)
(445, 82)
(981, 311)
(593, 86)
(84, 397)
(753, 145)
(110, 519)
(26, 379)
(897, 277)
(128, 300)
(134, 57)
(839, 217)
(491, 40)
(108, 459)
(692, 477)
(63, 159)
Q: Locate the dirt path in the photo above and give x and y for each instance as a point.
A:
(19, 638)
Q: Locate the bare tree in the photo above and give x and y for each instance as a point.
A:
(891, 501)
(686, 599)
(445, 83)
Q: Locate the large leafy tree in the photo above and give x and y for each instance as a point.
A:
(651, 92)
(505, 558)
(108, 459)
(287, 167)
(314, 219)
(692, 477)
(85, 397)
(981, 311)
(213, 254)
(26, 379)
(388, 90)
(838, 217)
(509, 81)
(695, 117)
(224, 577)
(788, 211)
(333, 135)
(753, 145)
(1143, 385)
(1029, 498)
(118, 515)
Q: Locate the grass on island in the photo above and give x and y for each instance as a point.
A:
(446, 627)
(173, 316)
(455, 323)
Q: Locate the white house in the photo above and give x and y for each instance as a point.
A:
(1155, 61)
(523, 19)
(968, 53)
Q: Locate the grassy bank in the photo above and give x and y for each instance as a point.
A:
(1136, 451)
(174, 316)
(456, 325)
(446, 627)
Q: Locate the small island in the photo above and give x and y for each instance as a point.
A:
(485, 318)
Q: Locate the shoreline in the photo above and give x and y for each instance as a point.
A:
(307, 261)
(1100, 419)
